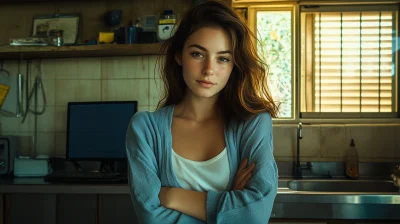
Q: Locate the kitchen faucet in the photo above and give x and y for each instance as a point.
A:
(298, 168)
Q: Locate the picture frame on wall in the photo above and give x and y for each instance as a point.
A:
(68, 23)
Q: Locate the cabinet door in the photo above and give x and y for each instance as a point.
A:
(77, 209)
(30, 208)
(117, 208)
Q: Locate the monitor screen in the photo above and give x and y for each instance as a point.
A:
(97, 130)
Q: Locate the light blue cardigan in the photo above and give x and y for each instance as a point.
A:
(149, 145)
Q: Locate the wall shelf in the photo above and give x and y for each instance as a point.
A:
(100, 50)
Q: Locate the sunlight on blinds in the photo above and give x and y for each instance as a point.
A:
(353, 62)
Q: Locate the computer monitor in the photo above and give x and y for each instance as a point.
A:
(96, 131)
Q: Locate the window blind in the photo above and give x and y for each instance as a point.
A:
(351, 62)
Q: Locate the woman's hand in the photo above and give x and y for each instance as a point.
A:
(243, 175)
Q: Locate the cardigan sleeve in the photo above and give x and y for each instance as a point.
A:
(143, 176)
(254, 203)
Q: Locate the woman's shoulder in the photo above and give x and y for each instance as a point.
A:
(150, 119)
(263, 118)
(255, 124)
(258, 123)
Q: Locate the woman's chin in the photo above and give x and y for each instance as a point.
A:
(204, 94)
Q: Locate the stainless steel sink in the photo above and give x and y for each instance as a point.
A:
(343, 185)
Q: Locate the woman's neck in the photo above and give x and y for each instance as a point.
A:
(198, 109)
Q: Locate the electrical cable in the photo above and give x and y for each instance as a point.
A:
(37, 86)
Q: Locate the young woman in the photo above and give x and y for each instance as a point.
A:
(206, 154)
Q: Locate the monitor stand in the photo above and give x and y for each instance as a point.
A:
(106, 166)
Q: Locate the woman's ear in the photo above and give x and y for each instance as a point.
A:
(178, 58)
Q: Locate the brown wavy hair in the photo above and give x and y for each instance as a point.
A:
(246, 93)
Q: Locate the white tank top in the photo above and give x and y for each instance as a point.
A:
(209, 175)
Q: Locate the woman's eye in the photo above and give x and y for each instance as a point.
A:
(196, 54)
(224, 59)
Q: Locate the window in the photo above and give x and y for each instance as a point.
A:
(273, 26)
(348, 58)
(329, 61)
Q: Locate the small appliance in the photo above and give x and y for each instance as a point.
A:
(8, 150)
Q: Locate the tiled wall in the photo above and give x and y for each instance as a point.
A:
(132, 78)
(321, 142)
(81, 79)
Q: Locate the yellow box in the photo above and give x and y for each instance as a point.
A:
(3, 93)
(106, 37)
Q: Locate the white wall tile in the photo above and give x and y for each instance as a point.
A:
(45, 143)
(78, 68)
(26, 140)
(125, 67)
(310, 144)
(26, 143)
(49, 68)
(284, 140)
(333, 141)
(14, 125)
(156, 88)
(13, 67)
(373, 142)
(132, 89)
(43, 68)
(77, 91)
(143, 108)
(61, 144)
(154, 66)
(152, 108)
(45, 92)
(49, 93)
(60, 118)
(45, 121)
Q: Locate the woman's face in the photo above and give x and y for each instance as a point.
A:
(206, 61)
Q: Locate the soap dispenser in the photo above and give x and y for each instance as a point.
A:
(351, 161)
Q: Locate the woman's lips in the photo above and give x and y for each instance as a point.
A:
(205, 84)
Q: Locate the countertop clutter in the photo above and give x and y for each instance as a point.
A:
(315, 196)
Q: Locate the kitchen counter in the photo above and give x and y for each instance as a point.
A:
(38, 185)
(288, 203)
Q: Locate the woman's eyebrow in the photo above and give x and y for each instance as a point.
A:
(204, 49)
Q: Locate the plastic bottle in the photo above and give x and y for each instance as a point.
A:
(351, 161)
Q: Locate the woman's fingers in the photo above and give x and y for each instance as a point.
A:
(245, 180)
(244, 172)
(243, 175)
(243, 164)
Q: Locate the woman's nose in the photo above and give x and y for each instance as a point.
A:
(208, 67)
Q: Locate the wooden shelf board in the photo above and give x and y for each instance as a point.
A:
(100, 50)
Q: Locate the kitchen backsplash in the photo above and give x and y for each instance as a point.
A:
(133, 78)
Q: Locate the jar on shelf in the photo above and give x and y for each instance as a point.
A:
(168, 17)
(56, 37)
